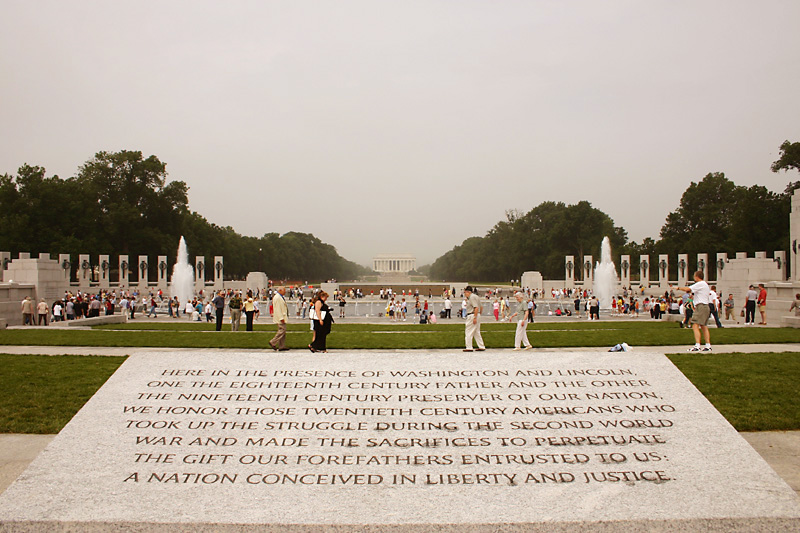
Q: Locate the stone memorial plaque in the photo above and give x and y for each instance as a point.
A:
(534, 441)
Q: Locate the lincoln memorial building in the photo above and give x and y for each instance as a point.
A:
(401, 263)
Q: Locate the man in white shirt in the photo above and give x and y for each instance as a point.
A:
(750, 306)
(472, 324)
(701, 295)
(448, 306)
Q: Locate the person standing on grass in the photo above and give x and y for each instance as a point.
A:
(472, 324)
(701, 294)
(280, 316)
(521, 314)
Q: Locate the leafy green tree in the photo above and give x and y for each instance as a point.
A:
(536, 240)
(121, 203)
(717, 215)
(789, 159)
(137, 208)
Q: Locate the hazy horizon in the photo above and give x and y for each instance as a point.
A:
(407, 128)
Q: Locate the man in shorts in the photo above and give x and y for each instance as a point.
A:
(702, 298)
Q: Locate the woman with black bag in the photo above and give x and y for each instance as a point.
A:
(322, 323)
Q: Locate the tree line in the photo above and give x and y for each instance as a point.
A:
(714, 215)
(121, 203)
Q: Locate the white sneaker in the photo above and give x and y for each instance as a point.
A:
(517, 349)
(694, 349)
(529, 347)
(707, 349)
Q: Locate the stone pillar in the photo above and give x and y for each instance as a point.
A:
(794, 236)
(644, 270)
(65, 264)
(683, 269)
(588, 272)
(625, 268)
(142, 267)
(663, 270)
(569, 271)
(124, 271)
(5, 259)
(702, 265)
(163, 269)
(103, 271)
(199, 274)
(722, 260)
(761, 255)
(84, 270)
(219, 272)
(741, 255)
(780, 258)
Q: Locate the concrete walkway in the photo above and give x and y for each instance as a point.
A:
(120, 351)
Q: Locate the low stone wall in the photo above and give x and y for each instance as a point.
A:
(98, 320)
(11, 296)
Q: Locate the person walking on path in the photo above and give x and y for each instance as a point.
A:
(750, 306)
(701, 295)
(235, 305)
(762, 303)
(472, 324)
(322, 324)
(521, 335)
(714, 306)
(448, 307)
(27, 311)
(280, 316)
(219, 307)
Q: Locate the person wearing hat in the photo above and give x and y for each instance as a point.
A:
(521, 314)
(473, 320)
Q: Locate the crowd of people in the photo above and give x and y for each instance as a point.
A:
(691, 303)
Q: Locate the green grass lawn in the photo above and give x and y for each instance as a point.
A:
(755, 391)
(42, 393)
(391, 336)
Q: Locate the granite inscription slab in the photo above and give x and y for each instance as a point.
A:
(407, 438)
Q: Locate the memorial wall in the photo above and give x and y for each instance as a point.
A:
(397, 438)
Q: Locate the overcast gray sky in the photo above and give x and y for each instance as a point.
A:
(413, 124)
